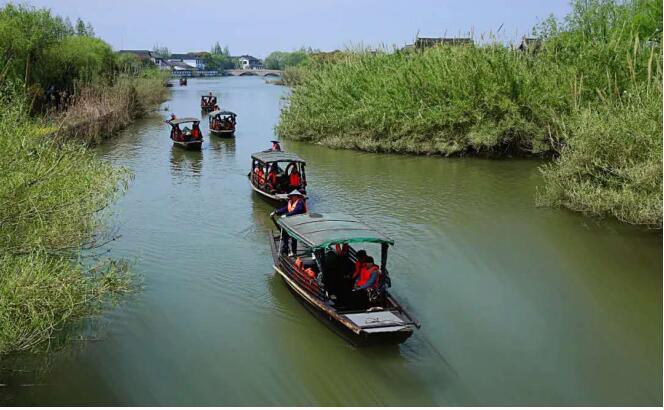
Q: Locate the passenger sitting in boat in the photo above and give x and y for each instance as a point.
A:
(297, 204)
(195, 133)
(272, 177)
(368, 284)
(259, 175)
(294, 179)
(369, 275)
(309, 272)
(360, 259)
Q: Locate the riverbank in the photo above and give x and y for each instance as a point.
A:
(100, 111)
(58, 97)
(561, 101)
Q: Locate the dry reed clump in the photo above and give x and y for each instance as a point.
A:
(99, 111)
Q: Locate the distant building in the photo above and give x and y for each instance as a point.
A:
(151, 56)
(426, 42)
(250, 63)
(530, 44)
(196, 60)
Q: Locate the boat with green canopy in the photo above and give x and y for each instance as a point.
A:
(321, 275)
(276, 173)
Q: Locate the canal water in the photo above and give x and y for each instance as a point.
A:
(519, 305)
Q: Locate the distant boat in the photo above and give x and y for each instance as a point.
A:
(208, 102)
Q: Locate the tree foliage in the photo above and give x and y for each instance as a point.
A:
(280, 60)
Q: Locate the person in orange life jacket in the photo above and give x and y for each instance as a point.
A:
(369, 275)
(296, 205)
(311, 274)
(272, 177)
(259, 175)
(361, 257)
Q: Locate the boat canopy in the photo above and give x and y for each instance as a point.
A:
(319, 231)
(183, 120)
(277, 156)
(220, 112)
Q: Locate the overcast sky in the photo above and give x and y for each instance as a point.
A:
(258, 27)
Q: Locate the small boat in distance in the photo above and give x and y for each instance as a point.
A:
(208, 102)
(222, 123)
(190, 138)
(183, 81)
(276, 173)
(321, 276)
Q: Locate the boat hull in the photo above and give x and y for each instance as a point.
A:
(275, 198)
(346, 325)
(192, 145)
(223, 133)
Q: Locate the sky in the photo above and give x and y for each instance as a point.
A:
(258, 27)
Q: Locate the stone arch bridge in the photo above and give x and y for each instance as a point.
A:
(257, 72)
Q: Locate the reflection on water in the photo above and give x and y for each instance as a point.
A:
(519, 305)
(186, 162)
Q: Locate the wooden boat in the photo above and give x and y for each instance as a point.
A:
(329, 292)
(183, 81)
(262, 162)
(222, 123)
(190, 138)
(208, 102)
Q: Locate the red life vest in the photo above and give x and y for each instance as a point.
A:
(292, 204)
(299, 265)
(365, 275)
(272, 178)
(260, 176)
(341, 249)
(358, 268)
(294, 179)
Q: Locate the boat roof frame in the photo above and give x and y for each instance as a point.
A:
(184, 120)
(277, 156)
(222, 112)
(320, 231)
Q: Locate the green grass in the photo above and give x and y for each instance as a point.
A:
(590, 94)
(53, 200)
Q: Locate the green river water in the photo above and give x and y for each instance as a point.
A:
(519, 305)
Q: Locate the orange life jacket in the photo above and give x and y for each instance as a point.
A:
(310, 272)
(358, 268)
(260, 176)
(299, 265)
(365, 275)
(292, 204)
(272, 178)
(294, 179)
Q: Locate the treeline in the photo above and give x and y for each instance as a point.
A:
(589, 96)
(280, 60)
(61, 88)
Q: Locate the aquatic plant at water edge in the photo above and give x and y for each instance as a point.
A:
(53, 200)
(492, 100)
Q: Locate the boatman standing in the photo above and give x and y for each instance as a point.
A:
(275, 147)
(297, 204)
